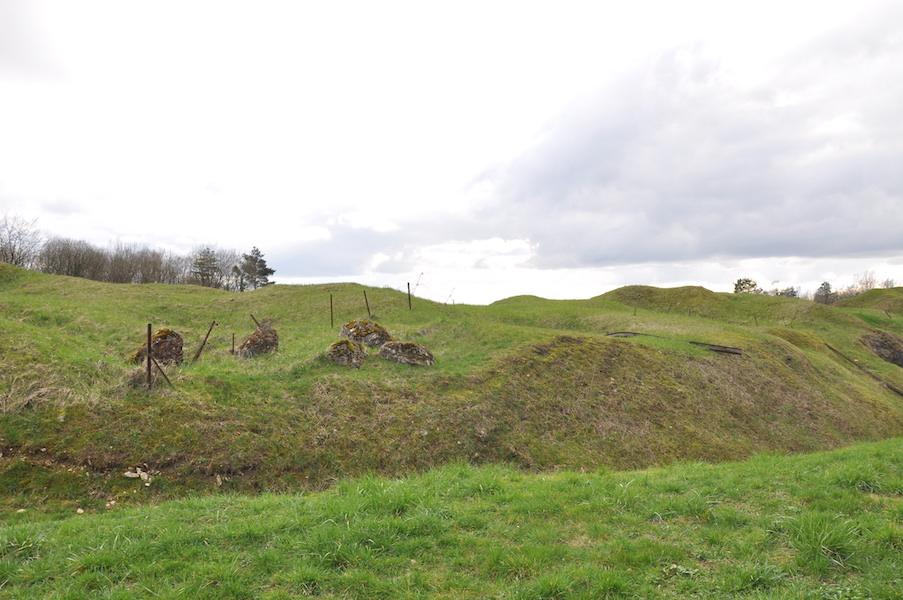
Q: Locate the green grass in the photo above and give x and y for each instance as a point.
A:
(824, 525)
(525, 381)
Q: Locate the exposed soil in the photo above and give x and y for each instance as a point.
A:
(886, 345)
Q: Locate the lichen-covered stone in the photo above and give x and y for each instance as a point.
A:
(366, 332)
(346, 352)
(166, 346)
(263, 340)
(408, 353)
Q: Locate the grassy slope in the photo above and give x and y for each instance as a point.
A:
(525, 380)
(817, 526)
(890, 300)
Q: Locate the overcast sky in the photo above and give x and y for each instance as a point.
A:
(484, 149)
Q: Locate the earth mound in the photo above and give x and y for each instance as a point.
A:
(346, 352)
(263, 340)
(166, 347)
(407, 353)
(366, 332)
(886, 345)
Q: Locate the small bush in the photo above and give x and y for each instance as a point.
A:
(823, 541)
(762, 576)
(865, 479)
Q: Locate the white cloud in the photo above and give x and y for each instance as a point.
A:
(497, 148)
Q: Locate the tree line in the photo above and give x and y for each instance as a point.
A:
(22, 245)
(825, 294)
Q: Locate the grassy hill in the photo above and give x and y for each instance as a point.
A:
(890, 300)
(813, 526)
(526, 381)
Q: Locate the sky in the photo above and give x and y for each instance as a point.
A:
(478, 150)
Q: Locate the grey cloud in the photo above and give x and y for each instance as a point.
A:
(676, 163)
(347, 252)
(61, 207)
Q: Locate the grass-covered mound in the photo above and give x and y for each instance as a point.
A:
(815, 526)
(890, 300)
(527, 381)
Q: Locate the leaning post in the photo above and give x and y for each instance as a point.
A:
(150, 359)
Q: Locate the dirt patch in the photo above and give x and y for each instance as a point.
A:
(347, 353)
(407, 353)
(561, 340)
(262, 341)
(166, 347)
(886, 345)
(366, 332)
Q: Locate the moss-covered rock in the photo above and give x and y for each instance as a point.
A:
(346, 352)
(262, 341)
(166, 346)
(366, 332)
(407, 353)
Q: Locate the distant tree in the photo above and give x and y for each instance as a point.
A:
(255, 270)
(745, 285)
(19, 241)
(124, 264)
(824, 294)
(238, 278)
(176, 268)
(866, 281)
(205, 268)
(787, 292)
(76, 258)
(888, 283)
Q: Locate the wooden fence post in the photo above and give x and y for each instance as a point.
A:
(150, 359)
(233, 344)
(331, 314)
(204, 343)
(367, 302)
(409, 296)
(163, 373)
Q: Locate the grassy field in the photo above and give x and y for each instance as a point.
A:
(525, 381)
(821, 526)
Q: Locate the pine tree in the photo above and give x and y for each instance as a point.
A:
(205, 268)
(824, 294)
(255, 269)
(745, 285)
(238, 278)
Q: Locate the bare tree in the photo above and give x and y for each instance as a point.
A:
(175, 268)
(124, 264)
(77, 258)
(227, 261)
(19, 241)
(866, 281)
(888, 283)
